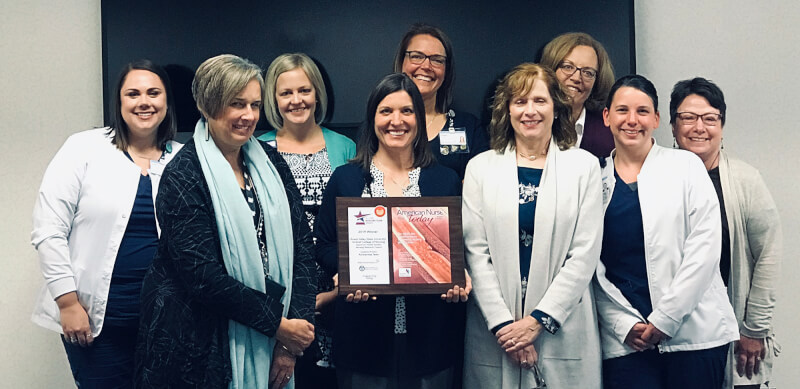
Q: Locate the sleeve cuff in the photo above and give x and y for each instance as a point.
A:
(500, 326)
(550, 325)
(664, 323)
(62, 286)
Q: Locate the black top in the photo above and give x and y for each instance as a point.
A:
(188, 296)
(363, 338)
(456, 158)
(725, 256)
(623, 247)
(135, 254)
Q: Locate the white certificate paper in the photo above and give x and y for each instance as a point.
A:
(368, 231)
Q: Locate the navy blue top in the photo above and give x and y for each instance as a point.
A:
(529, 179)
(135, 254)
(454, 157)
(623, 246)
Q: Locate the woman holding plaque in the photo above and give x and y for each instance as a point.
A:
(750, 259)
(665, 319)
(229, 299)
(532, 214)
(426, 55)
(403, 341)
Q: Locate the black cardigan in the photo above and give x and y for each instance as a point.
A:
(363, 338)
(188, 296)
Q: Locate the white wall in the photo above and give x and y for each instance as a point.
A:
(50, 77)
(50, 67)
(750, 49)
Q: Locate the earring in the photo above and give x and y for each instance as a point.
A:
(722, 143)
(674, 143)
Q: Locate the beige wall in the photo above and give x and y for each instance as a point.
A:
(50, 66)
(50, 78)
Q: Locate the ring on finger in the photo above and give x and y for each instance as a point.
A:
(73, 339)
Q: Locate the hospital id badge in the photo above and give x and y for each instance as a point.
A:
(453, 141)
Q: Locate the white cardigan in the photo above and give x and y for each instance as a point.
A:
(80, 216)
(566, 247)
(682, 232)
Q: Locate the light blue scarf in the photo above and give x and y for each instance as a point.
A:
(250, 350)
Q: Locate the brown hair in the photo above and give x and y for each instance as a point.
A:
(519, 82)
(444, 96)
(560, 47)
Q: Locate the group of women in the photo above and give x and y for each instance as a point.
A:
(227, 278)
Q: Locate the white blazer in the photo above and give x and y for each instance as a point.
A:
(682, 233)
(567, 240)
(80, 216)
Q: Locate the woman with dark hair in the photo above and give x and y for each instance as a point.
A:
(584, 70)
(426, 55)
(229, 299)
(750, 259)
(531, 216)
(405, 341)
(95, 231)
(665, 319)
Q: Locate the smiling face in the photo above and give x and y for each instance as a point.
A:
(395, 122)
(632, 119)
(579, 88)
(295, 96)
(427, 77)
(234, 126)
(143, 103)
(531, 115)
(699, 138)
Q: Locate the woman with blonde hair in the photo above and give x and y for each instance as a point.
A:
(228, 301)
(295, 104)
(532, 215)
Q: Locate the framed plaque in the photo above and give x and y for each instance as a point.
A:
(399, 245)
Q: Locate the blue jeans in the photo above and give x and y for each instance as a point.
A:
(107, 363)
(699, 369)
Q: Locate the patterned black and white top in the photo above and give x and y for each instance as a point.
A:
(376, 189)
(311, 174)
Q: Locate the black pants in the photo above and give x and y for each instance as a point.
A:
(107, 363)
(700, 369)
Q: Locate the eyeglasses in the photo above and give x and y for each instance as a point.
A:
(690, 118)
(417, 58)
(570, 69)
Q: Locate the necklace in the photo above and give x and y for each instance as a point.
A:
(386, 174)
(534, 156)
(431, 120)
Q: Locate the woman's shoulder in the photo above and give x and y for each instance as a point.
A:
(90, 139)
(337, 137)
(347, 179)
(577, 156)
(739, 167)
(268, 136)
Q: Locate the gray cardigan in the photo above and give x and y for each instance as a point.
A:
(566, 247)
(756, 241)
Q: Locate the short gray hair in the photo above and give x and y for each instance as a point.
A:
(283, 64)
(219, 79)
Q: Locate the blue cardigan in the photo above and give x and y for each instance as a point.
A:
(364, 333)
(340, 148)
